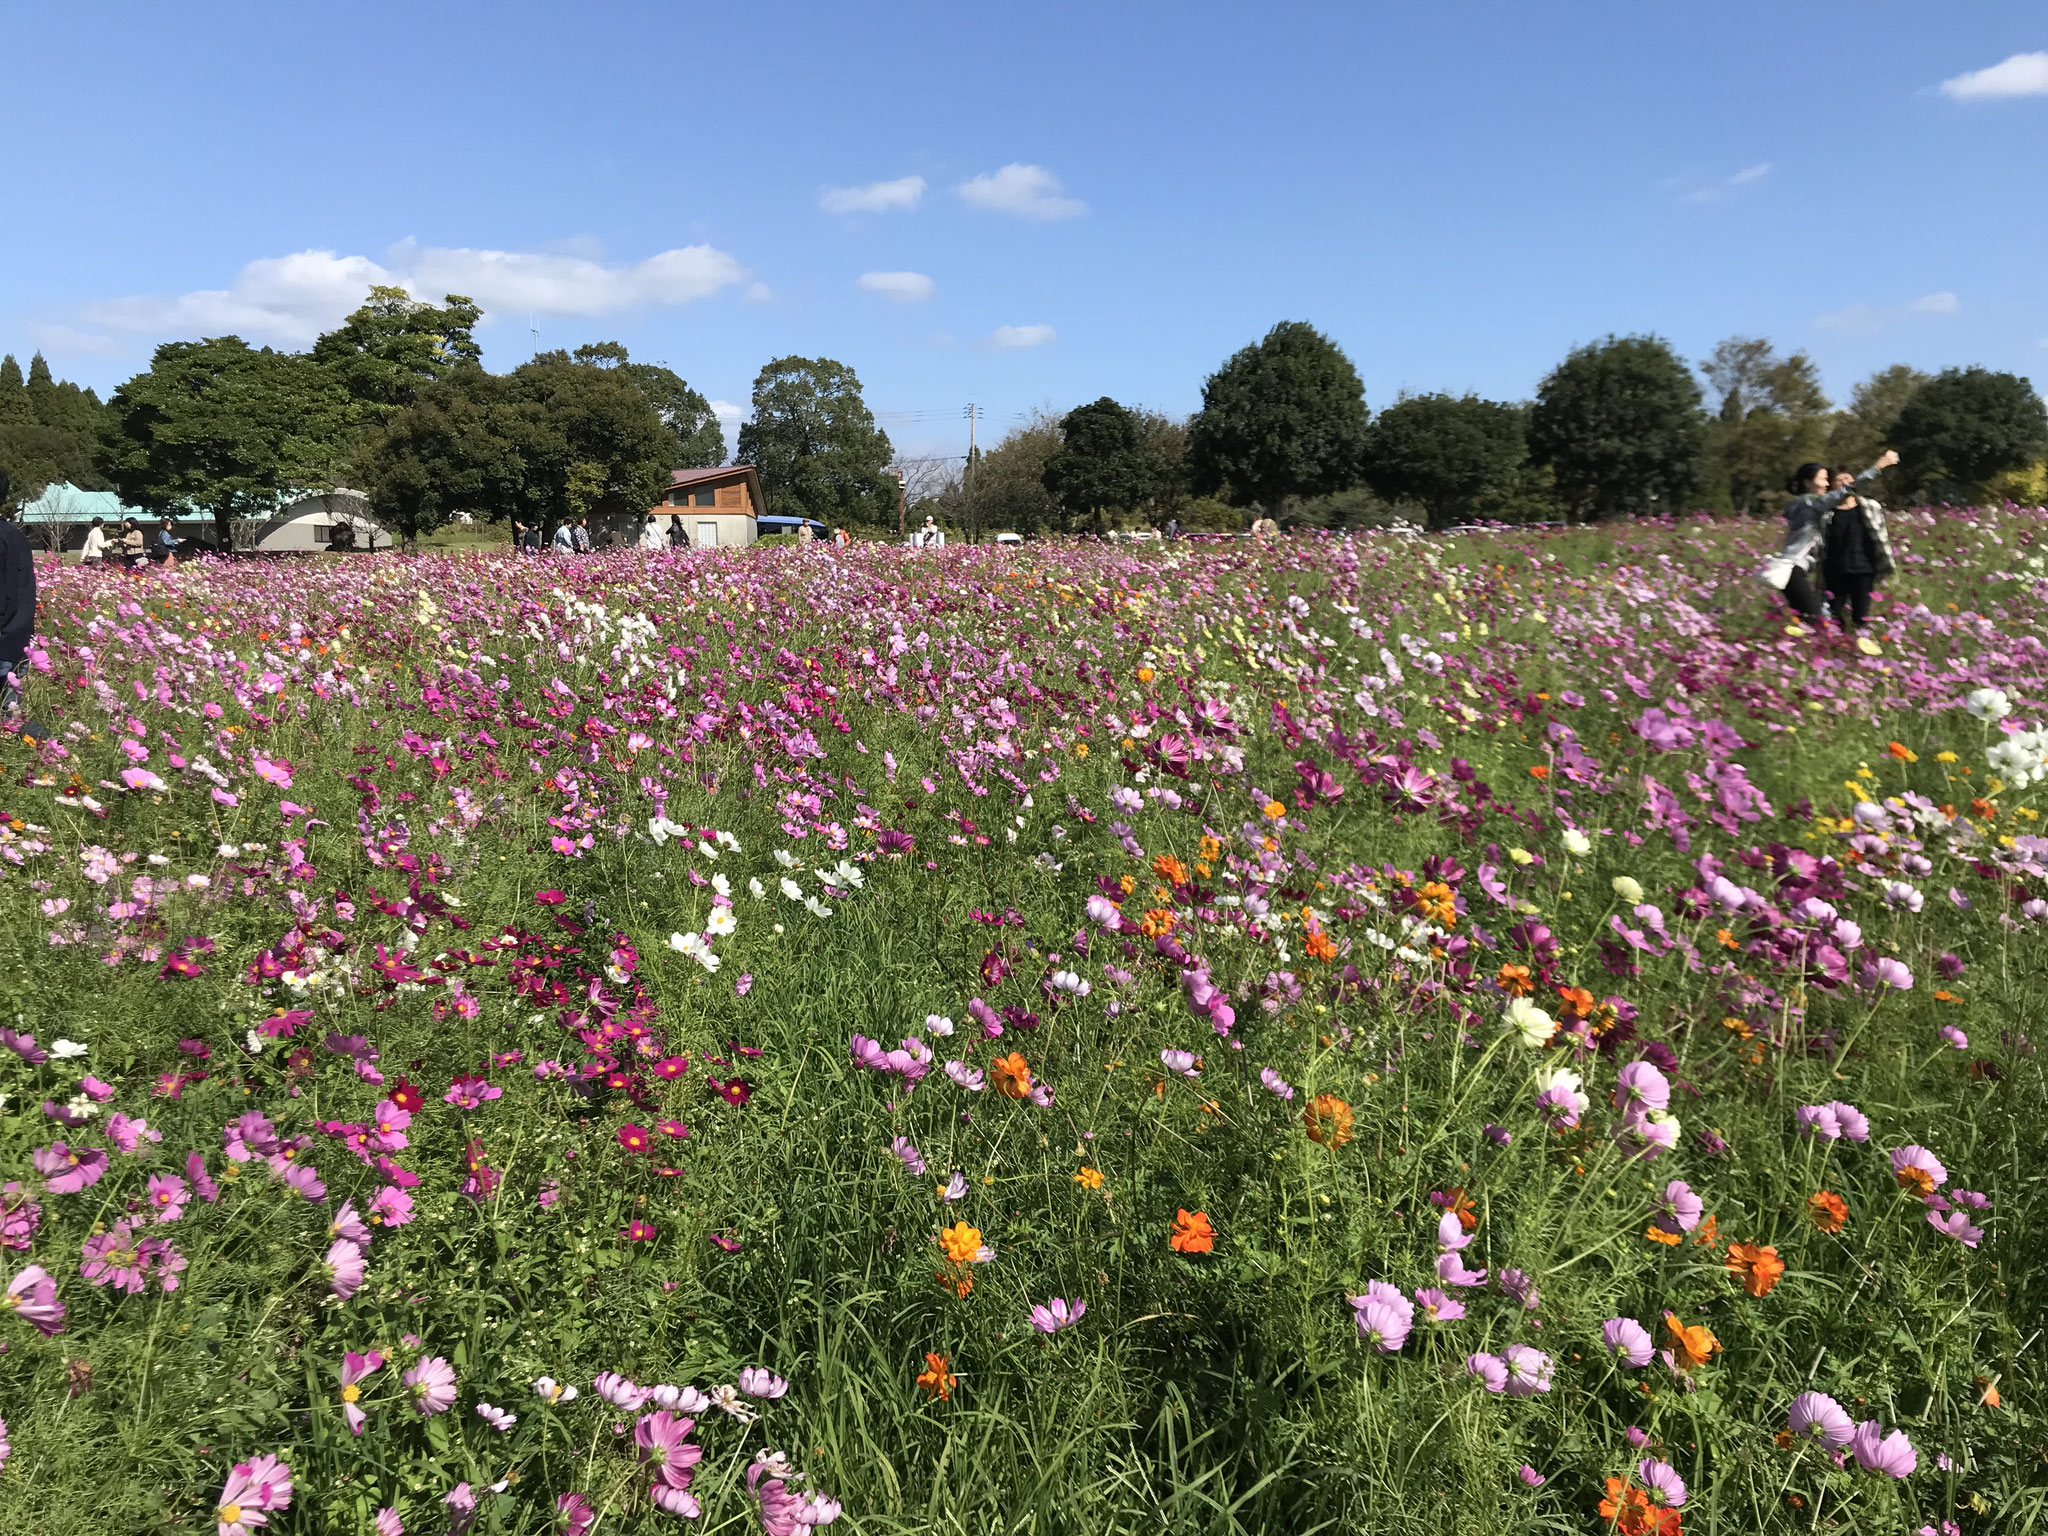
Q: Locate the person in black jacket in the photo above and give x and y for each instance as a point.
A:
(1857, 555)
(17, 604)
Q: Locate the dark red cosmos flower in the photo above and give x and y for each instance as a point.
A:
(735, 1092)
(408, 1098)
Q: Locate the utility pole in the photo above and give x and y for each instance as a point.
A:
(972, 520)
(902, 499)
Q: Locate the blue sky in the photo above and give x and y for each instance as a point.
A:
(1048, 202)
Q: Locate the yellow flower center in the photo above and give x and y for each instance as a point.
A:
(351, 1392)
(230, 1513)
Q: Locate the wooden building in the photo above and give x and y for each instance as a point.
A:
(717, 507)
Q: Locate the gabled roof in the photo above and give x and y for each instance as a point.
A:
(720, 474)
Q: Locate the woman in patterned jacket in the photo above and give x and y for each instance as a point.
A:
(1806, 533)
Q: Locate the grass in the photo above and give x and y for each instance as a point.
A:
(1218, 1392)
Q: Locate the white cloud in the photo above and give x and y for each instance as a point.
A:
(758, 293)
(902, 287)
(291, 299)
(1721, 189)
(875, 197)
(1029, 191)
(730, 415)
(2024, 74)
(1864, 319)
(1011, 337)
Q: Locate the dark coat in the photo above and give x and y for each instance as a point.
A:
(17, 593)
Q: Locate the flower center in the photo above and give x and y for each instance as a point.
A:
(351, 1392)
(230, 1513)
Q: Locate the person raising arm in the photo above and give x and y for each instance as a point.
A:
(1806, 531)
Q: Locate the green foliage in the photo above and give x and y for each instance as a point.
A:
(1283, 417)
(1101, 463)
(228, 428)
(49, 431)
(1859, 435)
(1964, 427)
(386, 352)
(1619, 425)
(816, 444)
(1451, 454)
(699, 440)
(1772, 416)
(454, 449)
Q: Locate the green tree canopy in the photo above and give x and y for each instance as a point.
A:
(456, 448)
(1283, 417)
(1619, 424)
(1102, 463)
(699, 440)
(1445, 451)
(395, 345)
(49, 431)
(228, 427)
(1964, 427)
(816, 444)
(1773, 415)
(1858, 435)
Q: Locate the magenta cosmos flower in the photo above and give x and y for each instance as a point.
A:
(167, 1196)
(66, 1170)
(253, 1491)
(1817, 1417)
(432, 1384)
(113, 1257)
(574, 1514)
(354, 1368)
(1057, 1315)
(663, 1439)
(32, 1295)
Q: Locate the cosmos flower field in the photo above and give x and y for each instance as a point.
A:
(1376, 1034)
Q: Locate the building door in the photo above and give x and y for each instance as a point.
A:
(707, 533)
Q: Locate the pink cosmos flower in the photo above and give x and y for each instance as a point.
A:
(1520, 1288)
(574, 1513)
(1528, 1370)
(619, 1391)
(345, 1268)
(349, 1224)
(1662, 1482)
(784, 1512)
(1956, 1225)
(6, 1446)
(354, 1368)
(461, 1506)
(757, 1382)
(19, 1217)
(66, 1170)
(96, 1090)
(907, 1154)
(167, 1196)
(1441, 1306)
(1914, 1166)
(1680, 1209)
(391, 1207)
(1628, 1341)
(664, 1444)
(386, 1522)
(497, 1418)
(195, 1170)
(1275, 1084)
(1641, 1087)
(432, 1384)
(254, 1490)
(1817, 1417)
(1955, 1038)
(1056, 1315)
(1491, 1370)
(1451, 1270)
(159, 1258)
(113, 1257)
(32, 1294)
(303, 1177)
(1890, 973)
(468, 1092)
(638, 1231)
(1893, 1454)
(1530, 1476)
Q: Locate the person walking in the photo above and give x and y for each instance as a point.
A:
(131, 544)
(650, 536)
(17, 605)
(1806, 532)
(1857, 555)
(564, 541)
(531, 539)
(167, 545)
(581, 536)
(95, 551)
(678, 536)
(518, 537)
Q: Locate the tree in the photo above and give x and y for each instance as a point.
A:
(395, 345)
(1445, 452)
(816, 444)
(1165, 441)
(13, 393)
(700, 441)
(221, 425)
(1283, 417)
(1620, 427)
(1773, 415)
(49, 432)
(1101, 462)
(1858, 435)
(1964, 427)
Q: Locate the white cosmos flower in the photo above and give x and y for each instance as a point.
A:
(1576, 843)
(722, 885)
(756, 889)
(816, 907)
(785, 858)
(1988, 704)
(1530, 1022)
(62, 1048)
(791, 889)
(1629, 890)
(722, 922)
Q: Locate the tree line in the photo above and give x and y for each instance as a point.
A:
(1621, 426)
(395, 402)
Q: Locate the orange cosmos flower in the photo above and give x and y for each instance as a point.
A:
(1757, 1268)
(1156, 921)
(1275, 810)
(1539, 771)
(961, 1243)
(1575, 1002)
(1319, 946)
(1515, 980)
(1903, 753)
(1089, 1178)
(1829, 1211)
(936, 1379)
(1144, 674)
(1170, 869)
(1629, 1511)
(1438, 904)
(1191, 1233)
(1692, 1345)
(1708, 1233)
(1011, 1074)
(1328, 1120)
(1657, 1234)
(1990, 1399)
(1460, 1205)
